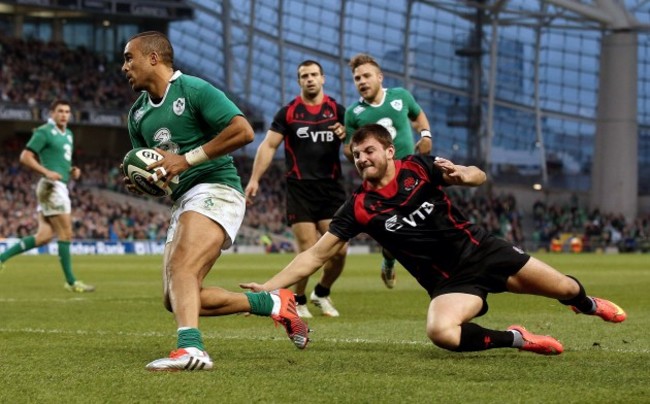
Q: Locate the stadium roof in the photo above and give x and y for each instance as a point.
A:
(160, 9)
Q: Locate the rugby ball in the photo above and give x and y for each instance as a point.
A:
(134, 167)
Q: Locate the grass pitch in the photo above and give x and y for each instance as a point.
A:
(92, 348)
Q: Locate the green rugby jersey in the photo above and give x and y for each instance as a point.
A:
(394, 113)
(54, 148)
(191, 113)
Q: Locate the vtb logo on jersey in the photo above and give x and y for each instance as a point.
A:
(392, 224)
(179, 106)
(395, 223)
(397, 104)
(315, 136)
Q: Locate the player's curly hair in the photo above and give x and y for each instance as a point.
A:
(154, 41)
(373, 130)
(362, 59)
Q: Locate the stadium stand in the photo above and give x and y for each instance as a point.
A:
(33, 71)
(103, 210)
(598, 231)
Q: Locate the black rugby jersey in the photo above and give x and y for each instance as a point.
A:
(311, 150)
(414, 219)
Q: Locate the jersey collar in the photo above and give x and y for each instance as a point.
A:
(175, 76)
(51, 122)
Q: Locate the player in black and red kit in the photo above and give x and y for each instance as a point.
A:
(402, 205)
(311, 127)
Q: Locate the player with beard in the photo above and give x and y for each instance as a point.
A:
(402, 204)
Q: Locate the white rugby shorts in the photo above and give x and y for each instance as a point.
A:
(53, 197)
(221, 203)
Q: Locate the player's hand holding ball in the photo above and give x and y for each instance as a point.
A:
(145, 175)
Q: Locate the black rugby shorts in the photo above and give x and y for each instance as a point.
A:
(313, 200)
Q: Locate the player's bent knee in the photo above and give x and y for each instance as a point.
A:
(445, 338)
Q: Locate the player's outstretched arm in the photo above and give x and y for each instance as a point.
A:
(456, 174)
(305, 264)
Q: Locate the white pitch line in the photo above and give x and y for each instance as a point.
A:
(48, 300)
(157, 334)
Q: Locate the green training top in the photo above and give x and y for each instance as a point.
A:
(395, 113)
(54, 148)
(191, 113)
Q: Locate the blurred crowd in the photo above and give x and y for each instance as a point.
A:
(498, 214)
(593, 230)
(129, 217)
(34, 73)
(96, 217)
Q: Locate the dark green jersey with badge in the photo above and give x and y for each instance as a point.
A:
(191, 113)
(54, 148)
(395, 113)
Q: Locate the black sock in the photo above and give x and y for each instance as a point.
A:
(301, 299)
(582, 302)
(473, 337)
(321, 291)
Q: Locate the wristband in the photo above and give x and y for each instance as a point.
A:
(425, 133)
(196, 156)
